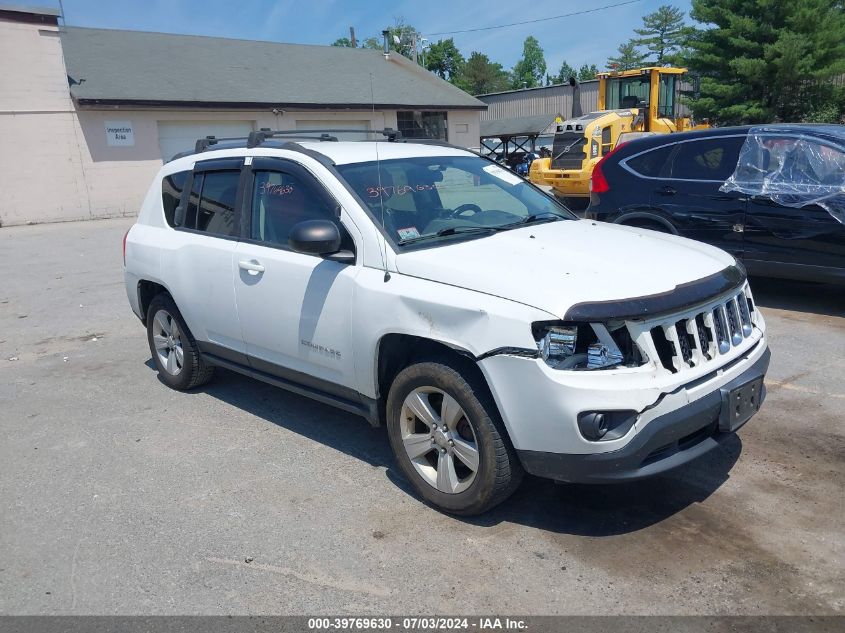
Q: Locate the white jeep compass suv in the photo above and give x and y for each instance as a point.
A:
(428, 289)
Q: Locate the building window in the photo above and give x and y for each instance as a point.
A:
(419, 124)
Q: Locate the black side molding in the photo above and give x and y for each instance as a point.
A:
(678, 299)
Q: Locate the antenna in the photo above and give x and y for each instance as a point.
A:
(382, 245)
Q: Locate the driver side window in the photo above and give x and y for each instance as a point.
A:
(281, 200)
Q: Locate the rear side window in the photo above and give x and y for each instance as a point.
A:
(708, 159)
(171, 193)
(211, 206)
(650, 163)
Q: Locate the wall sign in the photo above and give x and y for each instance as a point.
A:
(119, 134)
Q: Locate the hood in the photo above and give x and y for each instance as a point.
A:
(558, 265)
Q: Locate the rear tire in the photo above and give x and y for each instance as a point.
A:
(173, 347)
(465, 468)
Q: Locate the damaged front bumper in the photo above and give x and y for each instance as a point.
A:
(677, 416)
(666, 442)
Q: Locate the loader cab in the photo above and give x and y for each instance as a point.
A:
(652, 91)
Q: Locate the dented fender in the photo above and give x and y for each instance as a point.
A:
(473, 323)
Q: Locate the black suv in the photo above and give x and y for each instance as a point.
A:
(672, 183)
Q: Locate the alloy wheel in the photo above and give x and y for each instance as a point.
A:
(439, 439)
(167, 339)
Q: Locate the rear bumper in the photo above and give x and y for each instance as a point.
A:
(667, 442)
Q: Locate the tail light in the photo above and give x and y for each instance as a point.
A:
(598, 183)
(125, 235)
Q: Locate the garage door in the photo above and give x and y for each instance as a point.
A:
(181, 136)
(332, 124)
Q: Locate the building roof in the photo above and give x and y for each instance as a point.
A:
(30, 9)
(517, 126)
(112, 67)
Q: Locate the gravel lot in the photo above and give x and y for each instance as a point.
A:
(118, 495)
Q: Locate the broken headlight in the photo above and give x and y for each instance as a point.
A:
(586, 346)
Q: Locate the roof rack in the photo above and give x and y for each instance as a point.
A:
(323, 135)
(257, 138)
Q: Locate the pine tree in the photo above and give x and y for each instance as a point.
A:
(479, 75)
(566, 71)
(629, 57)
(763, 61)
(586, 73)
(663, 34)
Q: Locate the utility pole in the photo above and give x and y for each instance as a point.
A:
(352, 37)
(414, 44)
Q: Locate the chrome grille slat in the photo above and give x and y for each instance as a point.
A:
(692, 339)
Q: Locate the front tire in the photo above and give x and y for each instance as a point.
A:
(175, 352)
(449, 440)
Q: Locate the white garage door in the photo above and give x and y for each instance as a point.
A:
(333, 124)
(181, 136)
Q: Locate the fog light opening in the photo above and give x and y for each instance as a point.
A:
(598, 426)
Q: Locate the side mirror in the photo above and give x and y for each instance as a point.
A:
(319, 237)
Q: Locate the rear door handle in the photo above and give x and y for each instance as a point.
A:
(251, 266)
(667, 191)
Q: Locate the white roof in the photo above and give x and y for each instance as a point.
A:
(344, 152)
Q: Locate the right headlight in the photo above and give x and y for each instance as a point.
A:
(586, 346)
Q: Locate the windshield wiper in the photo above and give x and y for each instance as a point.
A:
(451, 230)
(543, 216)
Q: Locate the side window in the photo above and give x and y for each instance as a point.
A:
(709, 159)
(171, 193)
(650, 163)
(211, 206)
(279, 201)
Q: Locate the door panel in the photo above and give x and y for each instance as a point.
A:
(688, 192)
(808, 236)
(294, 308)
(295, 313)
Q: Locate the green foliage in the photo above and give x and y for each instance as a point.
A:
(444, 59)
(628, 57)
(663, 34)
(766, 60)
(566, 71)
(480, 75)
(530, 69)
(585, 73)
(343, 42)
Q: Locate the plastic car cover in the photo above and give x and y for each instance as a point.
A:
(793, 168)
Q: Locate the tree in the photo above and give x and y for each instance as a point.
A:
(480, 75)
(585, 73)
(566, 71)
(529, 70)
(663, 34)
(779, 68)
(343, 42)
(444, 59)
(629, 57)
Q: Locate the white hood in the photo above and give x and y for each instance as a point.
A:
(556, 265)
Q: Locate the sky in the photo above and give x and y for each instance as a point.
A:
(589, 38)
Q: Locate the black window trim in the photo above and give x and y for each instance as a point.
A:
(298, 170)
(626, 167)
(216, 164)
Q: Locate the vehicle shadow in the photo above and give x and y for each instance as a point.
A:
(586, 510)
(801, 296)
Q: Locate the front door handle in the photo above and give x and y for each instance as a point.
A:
(251, 266)
(667, 191)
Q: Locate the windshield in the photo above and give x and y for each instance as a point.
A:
(627, 92)
(430, 198)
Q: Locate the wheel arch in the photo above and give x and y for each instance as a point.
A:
(147, 291)
(630, 219)
(396, 351)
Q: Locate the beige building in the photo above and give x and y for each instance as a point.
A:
(87, 116)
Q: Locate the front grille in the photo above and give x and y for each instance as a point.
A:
(568, 150)
(701, 336)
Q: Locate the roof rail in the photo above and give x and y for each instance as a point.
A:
(257, 138)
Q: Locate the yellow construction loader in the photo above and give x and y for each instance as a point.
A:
(644, 100)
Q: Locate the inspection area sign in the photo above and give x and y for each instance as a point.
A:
(119, 133)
